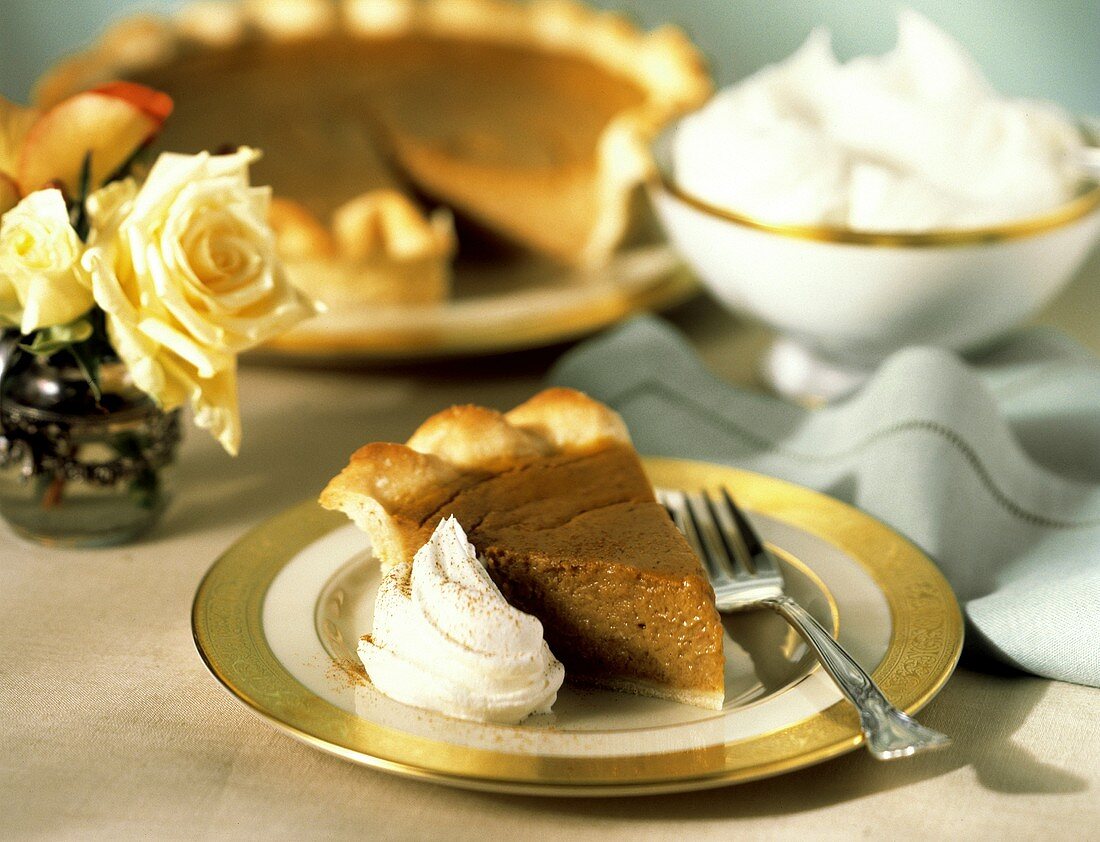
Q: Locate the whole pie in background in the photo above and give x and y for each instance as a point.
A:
(399, 133)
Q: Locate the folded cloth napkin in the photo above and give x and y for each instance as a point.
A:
(992, 466)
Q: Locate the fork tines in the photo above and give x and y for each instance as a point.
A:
(719, 533)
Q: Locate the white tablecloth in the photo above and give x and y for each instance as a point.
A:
(112, 728)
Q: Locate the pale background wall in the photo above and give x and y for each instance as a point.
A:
(1043, 48)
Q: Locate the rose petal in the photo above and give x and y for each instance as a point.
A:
(214, 404)
(206, 360)
(40, 262)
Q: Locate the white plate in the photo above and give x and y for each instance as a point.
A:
(278, 618)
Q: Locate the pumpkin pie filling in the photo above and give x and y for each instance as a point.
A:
(402, 105)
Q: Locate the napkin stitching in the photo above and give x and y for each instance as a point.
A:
(945, 432)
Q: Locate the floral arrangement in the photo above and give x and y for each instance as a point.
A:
(174, 274)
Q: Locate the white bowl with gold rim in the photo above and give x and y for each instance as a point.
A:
(843, 300)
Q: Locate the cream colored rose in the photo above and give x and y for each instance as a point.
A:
(186, 270)
(42, 283)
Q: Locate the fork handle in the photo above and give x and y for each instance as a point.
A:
(888, 732)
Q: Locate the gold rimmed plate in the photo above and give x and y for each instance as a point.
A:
(277, 618)
(496, 308)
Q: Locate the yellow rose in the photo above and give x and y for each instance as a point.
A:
(42, 283)
(186, 271)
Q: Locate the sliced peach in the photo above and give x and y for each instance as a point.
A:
(152, 103)
(9, 194)
(108, 126)
(15, 122)
(76, 73)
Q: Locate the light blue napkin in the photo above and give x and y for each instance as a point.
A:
(991, 466)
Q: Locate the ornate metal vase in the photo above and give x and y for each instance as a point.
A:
(77, 467)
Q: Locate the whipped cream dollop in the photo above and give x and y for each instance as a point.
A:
(912, 140)
(445, 639)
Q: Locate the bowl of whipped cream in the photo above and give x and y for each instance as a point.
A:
(859, 207)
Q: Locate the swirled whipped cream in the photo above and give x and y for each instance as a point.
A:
(445, 639)
(912, 140)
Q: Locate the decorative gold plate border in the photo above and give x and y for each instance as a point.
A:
(925, 644)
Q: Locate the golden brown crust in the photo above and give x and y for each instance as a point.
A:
(473, 437)
(297, 232)
(381, 250)
(283, 20)
(385, 226)
(569, 421)
(215, 23)
(709, 699)
(394, 475)
(387, 489)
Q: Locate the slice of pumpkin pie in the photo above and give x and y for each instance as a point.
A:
(553, 496)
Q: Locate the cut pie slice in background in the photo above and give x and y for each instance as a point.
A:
(532, 120)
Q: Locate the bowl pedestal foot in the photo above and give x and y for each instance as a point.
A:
(798, 373)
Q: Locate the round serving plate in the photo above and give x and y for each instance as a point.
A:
(497, 307)
(277, 618)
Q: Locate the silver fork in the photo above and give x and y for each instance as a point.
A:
(745, 575)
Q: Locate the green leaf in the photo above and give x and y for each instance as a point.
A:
(79, 218)
(84, 339)
(77, 331)
(50, 340)
(43, 348)
(85, 177)
(88, 363)
(145, 489)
